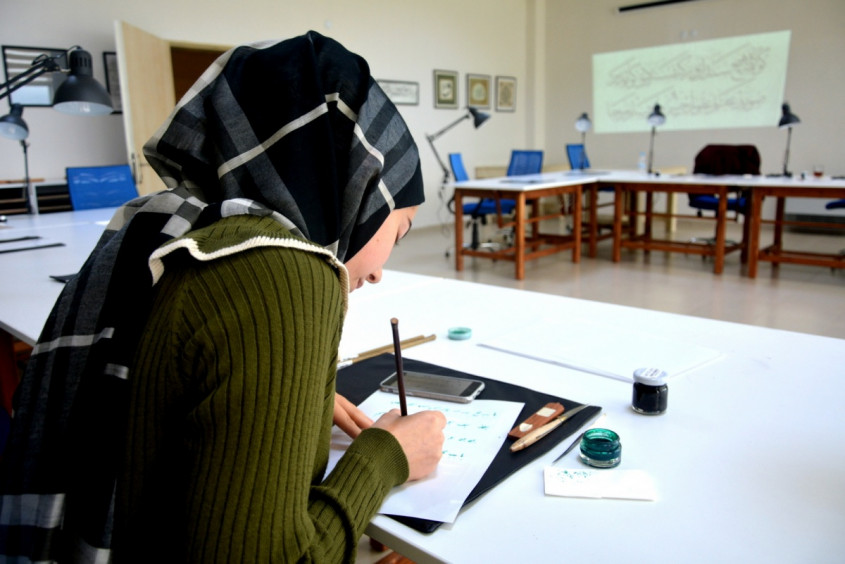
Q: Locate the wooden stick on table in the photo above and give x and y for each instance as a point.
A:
(407, 343)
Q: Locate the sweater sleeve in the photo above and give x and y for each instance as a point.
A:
(231, 416)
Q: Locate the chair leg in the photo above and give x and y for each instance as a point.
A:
(475, 242)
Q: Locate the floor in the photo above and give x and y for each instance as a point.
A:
(807, 299)
(789, 297)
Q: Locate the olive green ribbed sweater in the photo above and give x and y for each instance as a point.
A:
(230, 417)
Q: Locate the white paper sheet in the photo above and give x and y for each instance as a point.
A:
(602, 350)
(599, 484)
(474, 434)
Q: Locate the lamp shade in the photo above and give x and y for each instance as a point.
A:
(12, 125)
(656, 117)
(478, 117)
(583, 123)
(80, 93)
(787, 119)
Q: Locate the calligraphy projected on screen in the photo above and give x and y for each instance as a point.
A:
(719, 83)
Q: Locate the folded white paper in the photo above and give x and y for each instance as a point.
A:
(599, 484)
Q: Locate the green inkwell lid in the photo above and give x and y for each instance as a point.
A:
(459, 333)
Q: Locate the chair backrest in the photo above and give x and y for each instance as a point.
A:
(577, 156)
(525, 162)
(727, 159)
(457, 164)
(100, 186)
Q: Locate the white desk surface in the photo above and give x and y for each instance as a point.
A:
(26, 289)
(749, 460)
(529, 182)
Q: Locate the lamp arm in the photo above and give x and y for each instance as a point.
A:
(651, 150)
(434, 136)
(38, 68)
(786, 172)
(445, 170)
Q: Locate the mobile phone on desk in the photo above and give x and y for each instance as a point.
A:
(434, 386)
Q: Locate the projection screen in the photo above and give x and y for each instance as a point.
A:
(717, 83)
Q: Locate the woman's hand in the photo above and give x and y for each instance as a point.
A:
(348, 417)
(421, 437)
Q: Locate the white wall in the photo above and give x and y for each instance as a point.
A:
(815, 83)
(401, 40)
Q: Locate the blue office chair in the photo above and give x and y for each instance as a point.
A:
(577, 156)
(720, 160)
(525, 162)
(100, 186)
(479, 210)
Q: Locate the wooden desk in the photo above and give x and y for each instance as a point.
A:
(628, 185)
(751, 450)
(776, 253)
(524, 189)
(757, 188)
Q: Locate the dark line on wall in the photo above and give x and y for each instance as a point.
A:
(644, 5)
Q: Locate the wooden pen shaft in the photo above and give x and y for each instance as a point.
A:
(407, 343)
(537, 434)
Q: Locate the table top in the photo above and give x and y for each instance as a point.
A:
(530, 182)
(749, 460)
(26, 289)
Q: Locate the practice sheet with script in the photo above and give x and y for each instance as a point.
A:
(474, 434)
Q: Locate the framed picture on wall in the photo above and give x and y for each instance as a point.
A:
(112, 80)
(401, 92)
(39, 92)
(505, 94)
(445, 89)
(478, 91)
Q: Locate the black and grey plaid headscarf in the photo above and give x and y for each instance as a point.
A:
(297, 130)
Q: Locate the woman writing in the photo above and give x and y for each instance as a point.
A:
(179, 403)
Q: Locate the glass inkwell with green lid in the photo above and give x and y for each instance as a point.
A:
(601, 448)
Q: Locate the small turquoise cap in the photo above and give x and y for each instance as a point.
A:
(460, 333)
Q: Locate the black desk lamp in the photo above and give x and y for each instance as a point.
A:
(78, 94)
(12, 126)
(477, 119)
(787, 120)
(583, 124)
(655, 119)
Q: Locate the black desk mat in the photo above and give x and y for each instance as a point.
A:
(359, 381)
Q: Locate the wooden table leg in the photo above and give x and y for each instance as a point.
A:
(721, 220)
(594, 219)
(754, 232)
(576, 227)
(519, 239)
(618, 195)
(459, 231)
(649, 215)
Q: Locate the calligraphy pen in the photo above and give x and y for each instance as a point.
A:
(406, 343)
(541, 432)
(400, 375)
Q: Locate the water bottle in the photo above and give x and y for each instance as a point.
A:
(641, 163)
